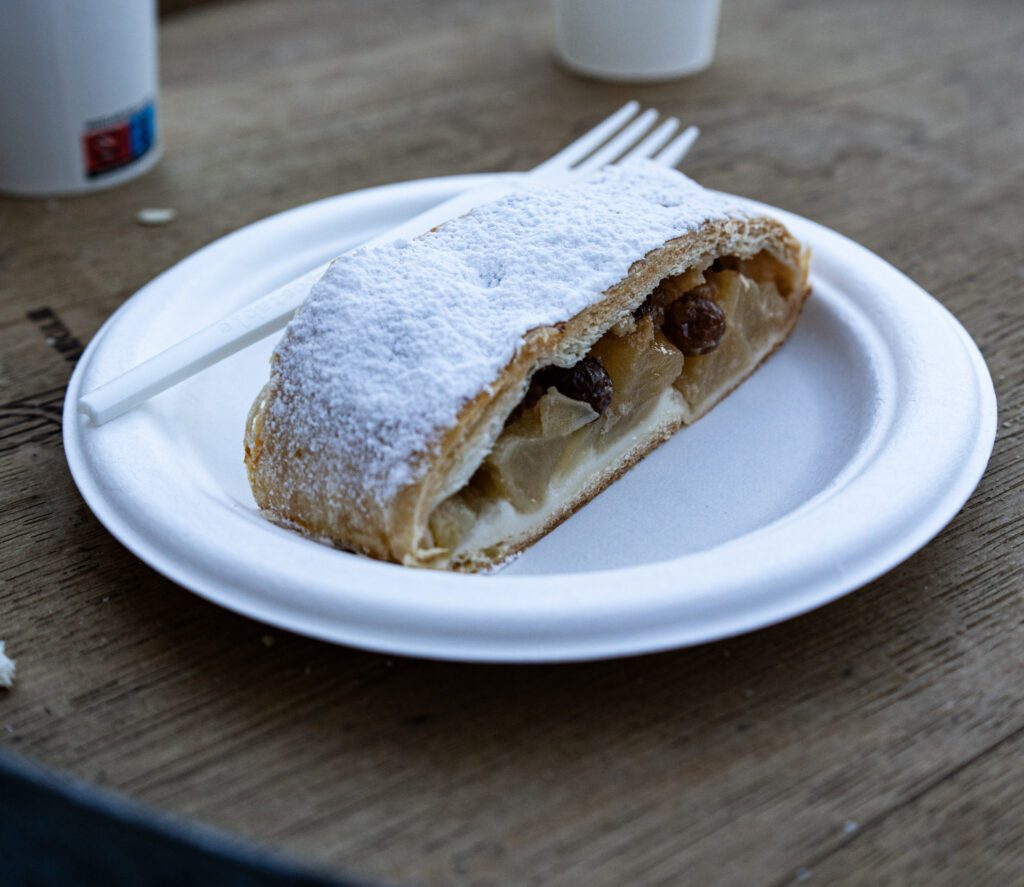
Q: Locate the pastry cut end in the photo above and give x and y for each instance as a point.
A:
(693, 340)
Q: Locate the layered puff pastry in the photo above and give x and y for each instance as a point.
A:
(446, 401)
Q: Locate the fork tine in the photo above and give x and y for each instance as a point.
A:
(678, 148)
(650, 146)
(622, 142)
(589, 140)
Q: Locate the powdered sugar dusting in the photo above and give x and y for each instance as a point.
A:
(393, 341)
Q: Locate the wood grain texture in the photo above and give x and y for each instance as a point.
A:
(876, 741)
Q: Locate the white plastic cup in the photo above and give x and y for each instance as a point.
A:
(78, 94)
(636, 41)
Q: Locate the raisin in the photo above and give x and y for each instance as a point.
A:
(664, 294)
(587, 381)
(651, 309)
(694, 324)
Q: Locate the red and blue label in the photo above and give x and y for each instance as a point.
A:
(113, 143)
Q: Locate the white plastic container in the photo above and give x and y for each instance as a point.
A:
(636, 41)
(78, 94)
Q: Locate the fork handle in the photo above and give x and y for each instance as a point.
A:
(256, 320)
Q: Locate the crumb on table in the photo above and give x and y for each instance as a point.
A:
(7, 668)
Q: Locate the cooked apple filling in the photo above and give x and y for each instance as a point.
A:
(697, 333)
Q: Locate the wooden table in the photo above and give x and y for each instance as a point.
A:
(878, 740)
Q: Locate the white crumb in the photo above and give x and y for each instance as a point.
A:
(153, 215)
(7, 668)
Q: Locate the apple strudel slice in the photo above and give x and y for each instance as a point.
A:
(446, 401)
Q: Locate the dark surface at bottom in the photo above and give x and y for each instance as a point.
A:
(57, 831)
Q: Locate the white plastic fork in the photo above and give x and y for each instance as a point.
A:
(622, 136)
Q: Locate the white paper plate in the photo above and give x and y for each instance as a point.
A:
(850, 449)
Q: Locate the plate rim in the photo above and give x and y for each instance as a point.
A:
(485, 649)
